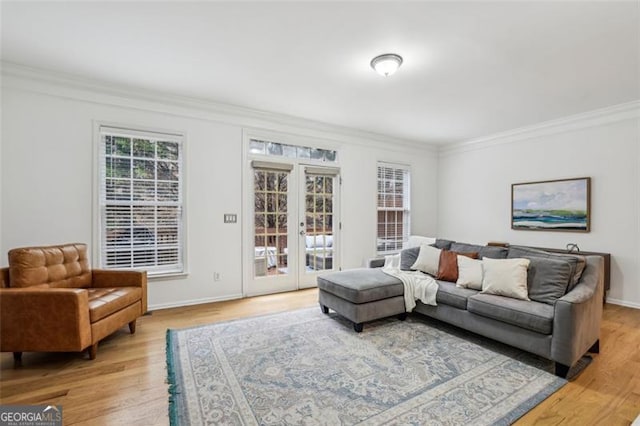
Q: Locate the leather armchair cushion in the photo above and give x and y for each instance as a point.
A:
(106, 301)
(62, 266)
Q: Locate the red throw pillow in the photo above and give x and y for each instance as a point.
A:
(448, 265)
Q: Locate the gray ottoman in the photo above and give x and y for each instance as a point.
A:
(361, 295)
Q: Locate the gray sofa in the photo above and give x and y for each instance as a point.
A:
(563, 329)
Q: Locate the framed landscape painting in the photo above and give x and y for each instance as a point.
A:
(553, 205)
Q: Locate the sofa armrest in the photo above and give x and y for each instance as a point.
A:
(44, 320)
(578, 315)
(118, 278)
(375, 262)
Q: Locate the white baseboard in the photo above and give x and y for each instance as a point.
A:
(623, 303)
(194, 302)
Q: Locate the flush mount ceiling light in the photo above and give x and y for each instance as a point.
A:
(386, 64)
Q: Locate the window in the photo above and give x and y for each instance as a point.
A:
(277, 149)
(141, 203)
(393, 207)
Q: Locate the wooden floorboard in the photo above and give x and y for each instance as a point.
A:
(126, 384)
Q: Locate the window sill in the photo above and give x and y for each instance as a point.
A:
(167, 276)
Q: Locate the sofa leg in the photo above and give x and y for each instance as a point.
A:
(93, 351)
(357, 327)
(595, 349)
(562, 370)
(132, 327)
(17, 358)
(325, 310)
(402, 316)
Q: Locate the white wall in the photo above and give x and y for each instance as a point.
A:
(47, 181)
(475, 180)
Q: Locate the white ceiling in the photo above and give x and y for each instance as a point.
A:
(470, 69)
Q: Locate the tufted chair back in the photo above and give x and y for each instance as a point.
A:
(62, 266)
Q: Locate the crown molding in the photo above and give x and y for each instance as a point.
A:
(35, 80)
(611, 114)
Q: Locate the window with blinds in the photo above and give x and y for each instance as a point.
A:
(141, 203)
(393, 207)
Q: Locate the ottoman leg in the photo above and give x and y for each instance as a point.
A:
(357, 327)
(402, 316)
(325, 310)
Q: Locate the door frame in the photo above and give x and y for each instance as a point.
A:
(247, 194)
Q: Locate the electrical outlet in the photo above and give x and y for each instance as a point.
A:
(216, 276)
(230, 218)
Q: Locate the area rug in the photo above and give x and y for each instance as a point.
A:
(304, 367)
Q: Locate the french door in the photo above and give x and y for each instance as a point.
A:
(293, 227)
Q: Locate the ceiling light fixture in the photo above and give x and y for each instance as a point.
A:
(386, 64)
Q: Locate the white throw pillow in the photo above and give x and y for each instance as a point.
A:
(428, 260)
(392, 261)
(469, 273)
(505, 277)
(417, 241)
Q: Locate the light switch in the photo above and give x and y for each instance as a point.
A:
(230, 218)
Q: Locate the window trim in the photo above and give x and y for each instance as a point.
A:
(96, 211)
(406, 207)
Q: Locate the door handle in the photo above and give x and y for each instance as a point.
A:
(302, 232)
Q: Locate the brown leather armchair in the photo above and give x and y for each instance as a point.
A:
(51, 301)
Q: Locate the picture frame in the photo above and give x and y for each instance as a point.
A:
(562, 205)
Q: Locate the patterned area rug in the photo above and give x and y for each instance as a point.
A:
(304, 367)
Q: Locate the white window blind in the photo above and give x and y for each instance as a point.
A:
(393, 207)
(141, 202)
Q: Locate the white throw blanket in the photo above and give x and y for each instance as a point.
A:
(417, 286)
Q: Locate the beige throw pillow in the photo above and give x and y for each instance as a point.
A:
(428, 260)
(505, 277)
(469, 273)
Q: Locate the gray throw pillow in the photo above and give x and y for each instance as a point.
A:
(577, 262)
(443, 244)
(483, 251)
(547, 279)
(408, 258)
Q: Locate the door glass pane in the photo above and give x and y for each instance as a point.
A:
(271, 253)
(319, 243)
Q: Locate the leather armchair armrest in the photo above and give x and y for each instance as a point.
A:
(4, 277)
(117, 278)
(44, 320)
(578, 315)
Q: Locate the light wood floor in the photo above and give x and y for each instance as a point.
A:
(126, 384)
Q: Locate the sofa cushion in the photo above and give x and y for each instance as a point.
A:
(361, 285)
(483, 251)
(449, 294)
(547, 279)
(408, 257)
(577, 262)
(442, 244)
(62, 266)
(106, 301)
(533, 316)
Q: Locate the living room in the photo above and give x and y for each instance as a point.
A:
(488, 94)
